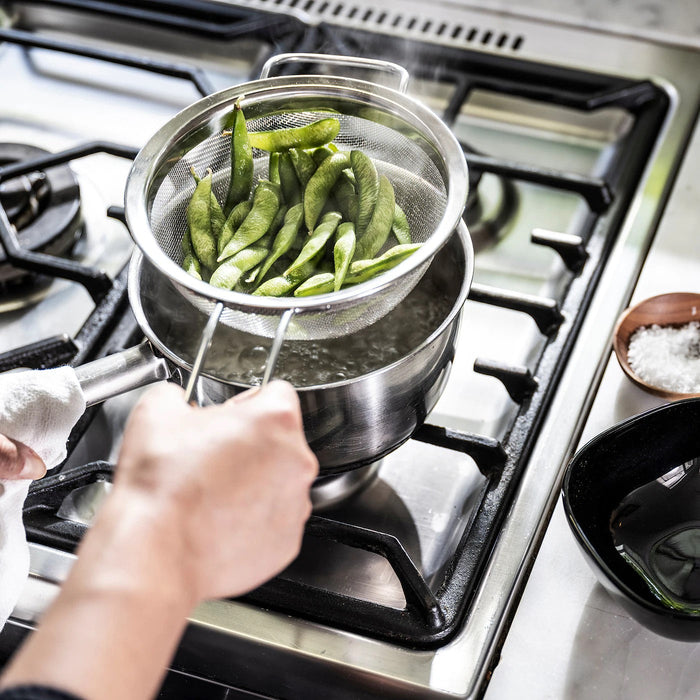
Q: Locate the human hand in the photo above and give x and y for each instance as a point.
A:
(17, 461)
(230, 482)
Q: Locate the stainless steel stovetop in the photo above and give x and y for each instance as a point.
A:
(428, 493)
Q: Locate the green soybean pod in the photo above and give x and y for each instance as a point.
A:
(379, 228)
(309, 136)
(316, 242)
(291, 188)
(191, 265)
(218, 218)
(284, 239)
(227, 275)
(288, 282)
(399, 226)
(273, 168)
(265, 205)
(186, 244)
(320, 154)
(241, 181)
(342, 252)
(367, 181)
(322, 283)
(345, 197)
(303, 163)
(363, 270)
(285, 284)
(233, 221)
(200, 222)
(320, 185)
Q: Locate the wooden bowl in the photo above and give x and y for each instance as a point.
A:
(675, 309)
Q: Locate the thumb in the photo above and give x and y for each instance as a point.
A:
(18, 461)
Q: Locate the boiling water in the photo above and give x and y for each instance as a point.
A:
(310, 363)
(656, 530)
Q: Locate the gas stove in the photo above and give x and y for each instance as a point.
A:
(412, 567)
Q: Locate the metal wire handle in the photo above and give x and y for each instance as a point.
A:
(202, 350)
(355, 61)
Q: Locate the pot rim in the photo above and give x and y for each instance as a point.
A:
(134, 290)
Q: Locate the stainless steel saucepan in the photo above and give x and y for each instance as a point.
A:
(349, 422)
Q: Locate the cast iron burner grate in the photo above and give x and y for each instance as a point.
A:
(428, 619)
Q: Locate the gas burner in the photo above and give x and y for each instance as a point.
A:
(328, 491)
(491, 204)
(44, 207)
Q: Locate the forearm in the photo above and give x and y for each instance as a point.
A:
(119, 616)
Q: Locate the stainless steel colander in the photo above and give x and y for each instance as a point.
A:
(407, 141)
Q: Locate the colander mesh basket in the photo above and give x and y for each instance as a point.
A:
(407, 143)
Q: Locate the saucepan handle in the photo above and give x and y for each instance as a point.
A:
(121, 372)
(355, 61)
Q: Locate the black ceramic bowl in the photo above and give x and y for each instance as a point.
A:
(600, 478)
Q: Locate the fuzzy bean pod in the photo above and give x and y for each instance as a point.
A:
(241, 180)
(266, 202)
(316, 242)
(399, 226)
(360, 271)
(320, 185)
(309, 136)
(199, 220)
(379, 228)
(291, 188)
(343, 251)
(303, 163)
(367, 182)
(283, 240)
(227, 275)
(345, 196)
(233, 221)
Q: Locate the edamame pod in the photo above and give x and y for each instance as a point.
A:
(186, 244)
(227, 275)
(191, 265)
(371, 242)
(199, 221)
(363, 270)
(320, 185)
(283, 285)
(316, 241)
(320, 154)
(303, 163)
(265, 205)
(233, 221)
(367, 181)
(399, 226)
(344, 193)
(273, 168)
(315, 134)
(359, 271)
(322, 283)
(284, 239)
(241, 180)
(218, 218)
(291, 189)
(342, 252)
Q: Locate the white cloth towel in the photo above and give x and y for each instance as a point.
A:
(38, 408)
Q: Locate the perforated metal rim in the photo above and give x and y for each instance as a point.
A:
(178, 130)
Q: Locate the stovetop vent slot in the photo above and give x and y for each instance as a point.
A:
(398, 21)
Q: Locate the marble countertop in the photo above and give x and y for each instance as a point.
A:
(569, 639)
(674, 21)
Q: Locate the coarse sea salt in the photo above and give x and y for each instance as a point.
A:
(667, 357)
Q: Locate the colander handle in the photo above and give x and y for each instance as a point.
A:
(355, 61)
